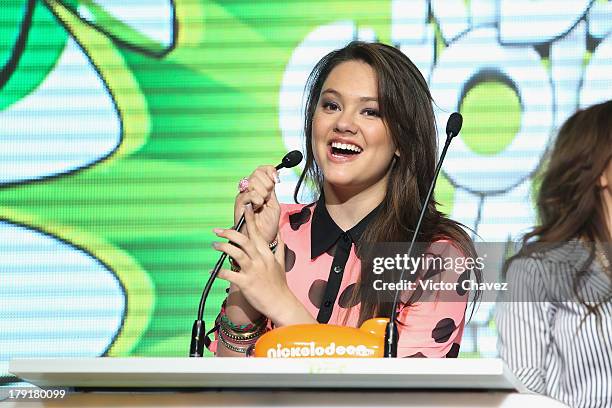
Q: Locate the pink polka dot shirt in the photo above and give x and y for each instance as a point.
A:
(322, 270)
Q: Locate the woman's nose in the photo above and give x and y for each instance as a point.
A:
(346, 123)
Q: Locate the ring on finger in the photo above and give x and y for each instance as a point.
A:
(243, 185)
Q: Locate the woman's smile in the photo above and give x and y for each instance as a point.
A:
(343, 151)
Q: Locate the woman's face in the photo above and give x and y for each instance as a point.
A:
(351, 143)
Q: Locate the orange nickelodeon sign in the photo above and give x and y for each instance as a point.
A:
(324, 341)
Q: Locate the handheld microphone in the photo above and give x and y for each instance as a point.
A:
(453, 126)
(198, 331)
(292, 159)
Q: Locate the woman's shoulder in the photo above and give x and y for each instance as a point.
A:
(446, 246)
(552, 265)
(543, 255)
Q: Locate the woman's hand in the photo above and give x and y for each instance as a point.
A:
(261, 279)
(261, 195)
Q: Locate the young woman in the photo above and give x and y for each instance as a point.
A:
(555, 327)
(370, 154)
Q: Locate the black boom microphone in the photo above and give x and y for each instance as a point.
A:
(453, 126)
(198, 331)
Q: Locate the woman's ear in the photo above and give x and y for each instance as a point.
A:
(396, 154)
(603, 179)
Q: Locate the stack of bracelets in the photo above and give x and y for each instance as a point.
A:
(241, 338)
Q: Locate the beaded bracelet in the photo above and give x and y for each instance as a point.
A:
(243, 328)
(232, 347)
(247, 345)
(243, 337)
(237, 343)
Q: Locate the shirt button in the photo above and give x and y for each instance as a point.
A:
(337, 269)
(327, 304)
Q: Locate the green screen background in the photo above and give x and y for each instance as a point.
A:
(195, 112)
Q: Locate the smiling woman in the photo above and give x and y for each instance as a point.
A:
(371, 155)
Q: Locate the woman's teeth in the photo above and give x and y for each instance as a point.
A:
(345, 148)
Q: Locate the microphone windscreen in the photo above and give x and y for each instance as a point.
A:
(292, 159)
(453, 126)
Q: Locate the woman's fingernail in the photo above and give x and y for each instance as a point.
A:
(248, 206)
(215, 245)
(218, 230)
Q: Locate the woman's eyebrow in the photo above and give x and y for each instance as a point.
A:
(331, 91)
(338, 94)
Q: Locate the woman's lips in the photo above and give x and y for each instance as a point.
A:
(340, 158)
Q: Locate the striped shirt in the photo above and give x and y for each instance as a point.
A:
(548, 338)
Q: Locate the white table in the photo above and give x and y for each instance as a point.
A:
(239, 382)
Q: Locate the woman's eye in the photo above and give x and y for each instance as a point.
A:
(371, 112)
(330, 105)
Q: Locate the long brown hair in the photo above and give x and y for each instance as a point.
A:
(405, 106)
(569, 202)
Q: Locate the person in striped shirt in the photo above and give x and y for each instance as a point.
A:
(555, 322)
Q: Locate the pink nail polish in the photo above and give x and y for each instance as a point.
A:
(217, 230)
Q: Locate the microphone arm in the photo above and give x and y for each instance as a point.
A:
(198, 330)
(391, 333)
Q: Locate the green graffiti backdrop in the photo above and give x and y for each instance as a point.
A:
(125, 126)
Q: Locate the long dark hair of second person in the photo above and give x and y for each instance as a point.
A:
(406, 107)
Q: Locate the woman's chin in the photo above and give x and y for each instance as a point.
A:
(340, 180)
(352, 182)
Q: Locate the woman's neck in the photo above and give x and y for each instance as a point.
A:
(347, 206)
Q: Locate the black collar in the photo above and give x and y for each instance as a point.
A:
(325, 232)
